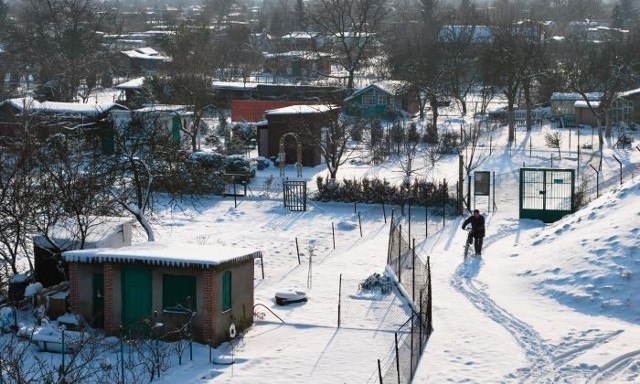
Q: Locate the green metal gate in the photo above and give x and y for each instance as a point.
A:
(546, 194)
(295, 194)
(98, 300)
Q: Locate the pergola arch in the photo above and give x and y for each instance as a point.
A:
(281, 153)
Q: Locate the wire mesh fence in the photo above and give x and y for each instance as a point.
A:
(413, 274)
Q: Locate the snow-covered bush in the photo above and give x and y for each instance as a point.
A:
(377, 282)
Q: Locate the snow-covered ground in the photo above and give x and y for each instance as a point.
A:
(544, 303)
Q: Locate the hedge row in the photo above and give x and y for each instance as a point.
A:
(377, 191)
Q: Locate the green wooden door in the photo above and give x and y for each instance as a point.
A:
(98, 300)
(136, 297)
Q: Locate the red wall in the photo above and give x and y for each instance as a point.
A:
(252, 111)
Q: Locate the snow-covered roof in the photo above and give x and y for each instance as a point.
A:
(583, 104)
(169, 254)
(238, 85)
(303, 109)
(141, 53)
(307, 55)
(103, 231)
(629, 92)
(162, 108)
(575, 96)
(391, 87)
(136, 83)
(300, 35)
(59, 107)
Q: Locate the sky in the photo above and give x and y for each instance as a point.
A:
(545, 303)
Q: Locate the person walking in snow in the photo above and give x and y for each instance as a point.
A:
(477, 230)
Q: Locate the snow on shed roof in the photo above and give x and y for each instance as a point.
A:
(583, 104)
(164, 254)
(54, 107)
(575, 96)
(136, 83)
(303, 109)
(391, 87)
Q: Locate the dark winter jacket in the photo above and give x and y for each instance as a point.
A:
(477, 225)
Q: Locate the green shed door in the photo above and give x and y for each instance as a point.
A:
(176, 127)
(136, 295)
(98, 300)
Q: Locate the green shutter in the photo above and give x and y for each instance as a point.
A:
(226, 291)
(178, 293)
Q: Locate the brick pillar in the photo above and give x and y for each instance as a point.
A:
(208, 322)
(74, 300)
(109, 322)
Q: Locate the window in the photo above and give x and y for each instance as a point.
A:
(374, 98)
(178, 293)
(226, 291)
(370, 99)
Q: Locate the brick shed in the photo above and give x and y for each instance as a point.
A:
(166, 283)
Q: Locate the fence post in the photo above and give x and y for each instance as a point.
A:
(429, 298)
(426, 220)
(379, 371)
(339, 298)
(413, 272)
(399, 253)
(597, 181)
(298, 251)
(397, 357)
(384, 213)
(409, 220)
(333, 234)
(360, 224)
(620, 163)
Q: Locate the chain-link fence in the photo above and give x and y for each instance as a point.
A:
(413, 274)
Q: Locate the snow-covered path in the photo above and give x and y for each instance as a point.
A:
(515, 338)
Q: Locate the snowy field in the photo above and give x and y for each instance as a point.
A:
(544, 304)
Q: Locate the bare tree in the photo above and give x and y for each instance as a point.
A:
(353, 28)
(191, 74)
(62, 41)
(332, 140)
(18, 197)
(607, 68)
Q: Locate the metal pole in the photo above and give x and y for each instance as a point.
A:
(597, 181)
(333, 231)
(360, 224)
(397, 358)
(298, 251)
(620, 163)
(339, 298)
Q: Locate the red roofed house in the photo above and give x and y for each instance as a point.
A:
(153, 282)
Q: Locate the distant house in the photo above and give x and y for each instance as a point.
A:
(476, 34)
(169, 284)
(130, 90)
(562, 103)
(383, 100)
(294, 123)
(48, 117)
(298, 65)
(266, 97)
(172, 118)
(140, 61)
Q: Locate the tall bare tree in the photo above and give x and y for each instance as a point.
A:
(353, 28)
(62, 40)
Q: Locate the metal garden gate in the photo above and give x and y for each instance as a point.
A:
(546, 194)
(295, 194)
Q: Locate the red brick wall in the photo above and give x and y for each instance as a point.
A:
(74, 301)
(209, 305)
(252, 111)
(109, 324)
